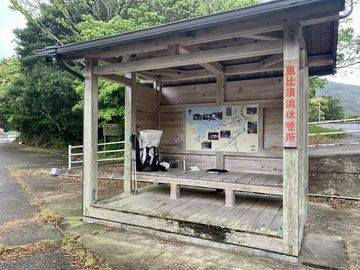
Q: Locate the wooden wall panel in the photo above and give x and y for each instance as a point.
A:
(253, 165)
(146, 108)
(203, 93)
(273, 128)
(269, 88)
(265, 92)
(204, 162)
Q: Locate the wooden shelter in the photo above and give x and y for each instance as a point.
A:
(256, 59)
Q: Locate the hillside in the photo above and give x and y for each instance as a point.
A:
(348, 94)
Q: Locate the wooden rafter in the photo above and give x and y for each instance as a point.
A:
(241, 51)
(215, 67)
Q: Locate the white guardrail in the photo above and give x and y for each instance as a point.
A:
(353, 121)
(76, 158)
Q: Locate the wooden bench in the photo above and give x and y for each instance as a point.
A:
(229, 182)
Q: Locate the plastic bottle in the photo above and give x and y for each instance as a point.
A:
(184, 163)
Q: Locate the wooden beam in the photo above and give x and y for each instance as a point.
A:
(186, 39)
(130, 127)
(293, 158)
(116, 78)
(215, 67)
(152, 78)
(90, 136)
(173, 49)
(262, 37)
(272, 60)
(166, 71)
(241, 51)
(314, 61)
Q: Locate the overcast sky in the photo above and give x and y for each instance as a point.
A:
(9, 20)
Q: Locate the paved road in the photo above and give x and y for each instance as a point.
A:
(13, 202)
(14, 205)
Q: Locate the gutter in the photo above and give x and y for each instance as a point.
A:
(61, 64)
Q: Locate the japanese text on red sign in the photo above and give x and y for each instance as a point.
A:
(290, 104)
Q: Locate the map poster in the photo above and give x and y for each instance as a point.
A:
(222, 128)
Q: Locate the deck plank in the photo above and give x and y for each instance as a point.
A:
(208, 210)
(233, 177)
(198, 204)
(220, 213)
(230, 218)
(274, 180)
(247, 221)
(264, 220)
(140, 199)
(276, 226)
(260, 180)
(206, 206)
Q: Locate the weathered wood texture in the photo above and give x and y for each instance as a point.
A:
(130, 127)
(248, 182)
(294, 159)
(252, 221)
(146, 108)
(90, 136)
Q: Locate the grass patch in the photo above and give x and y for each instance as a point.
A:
(49, 217)
(82, 258)
(319, 139)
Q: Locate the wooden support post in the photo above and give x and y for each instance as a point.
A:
(160, 87)
(130, 127)
(293, 152)
(220, 89)
(229, 197)
(90, 136)
(174, 191)
(303, 125)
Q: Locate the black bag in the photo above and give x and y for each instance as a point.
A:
(150, 159)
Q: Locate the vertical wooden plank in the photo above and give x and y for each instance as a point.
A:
(229, 197)
(160, 86)
(261, 127)
(220, 89)
(130, 127)
(90, 136)
(303, 150)
(292, 164)
(219, 160)
(174, 191)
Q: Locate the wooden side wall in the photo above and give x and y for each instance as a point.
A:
(147, 108)
(265, 92)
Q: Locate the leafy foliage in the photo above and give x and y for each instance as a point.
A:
(330, 109)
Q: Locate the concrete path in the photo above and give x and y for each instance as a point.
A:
(15, 206)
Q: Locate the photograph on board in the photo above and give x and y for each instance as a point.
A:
(197, 116)
(217, 115)
(207, 116)
(228, 111)
(252, 127)
(213, 136)
(251, 110)
(225, 134)
(206, 145)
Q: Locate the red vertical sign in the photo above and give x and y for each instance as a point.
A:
(290, 123)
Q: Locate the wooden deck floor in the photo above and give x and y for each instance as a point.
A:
(251, 213)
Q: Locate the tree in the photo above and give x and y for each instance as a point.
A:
(328, 107)
(315, 83)
(45, 103)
